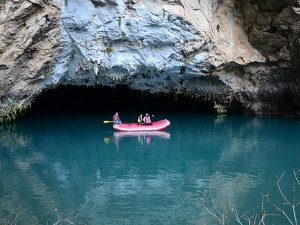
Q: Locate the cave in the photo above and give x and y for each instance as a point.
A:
(97, 99)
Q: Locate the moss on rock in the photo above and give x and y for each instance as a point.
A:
(220, 109)
(12, 110)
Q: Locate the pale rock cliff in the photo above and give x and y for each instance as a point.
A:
(125, 40)
(29, 40)
(226, 51)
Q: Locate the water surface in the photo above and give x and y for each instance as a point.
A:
(78, 166)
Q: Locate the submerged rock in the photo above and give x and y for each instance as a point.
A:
(222, 51)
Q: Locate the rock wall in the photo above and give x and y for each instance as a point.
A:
(273, 28)
(29, 41)
(136, 41)
(226, 51)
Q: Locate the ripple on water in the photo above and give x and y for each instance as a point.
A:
(88, 170)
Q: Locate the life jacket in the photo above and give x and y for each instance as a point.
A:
(140, 119)
(147, 120)
(116, 118)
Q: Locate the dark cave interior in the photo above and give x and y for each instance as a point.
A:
(82, 99)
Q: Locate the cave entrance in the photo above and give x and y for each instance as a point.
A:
(82, 99)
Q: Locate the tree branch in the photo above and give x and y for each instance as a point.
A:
(296, 177)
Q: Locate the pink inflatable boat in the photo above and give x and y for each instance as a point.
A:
(159, 125)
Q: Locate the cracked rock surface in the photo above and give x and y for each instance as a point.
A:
(226, 51)
(29, 40)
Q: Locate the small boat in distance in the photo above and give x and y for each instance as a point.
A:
(134, 127)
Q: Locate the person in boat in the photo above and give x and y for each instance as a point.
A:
(116, 118)
(147, 119)
(140, 119)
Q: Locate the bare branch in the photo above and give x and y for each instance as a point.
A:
(262, 212)
(295, 216)
(248, 219)
(62, 219)
(229, 209)
(215, 207)
(251, 218)
(280, 190)
(15, 219)
(296, 177)
(237, 217)
(294, 204)
(209, 211)
(20, 211)
(280, 210)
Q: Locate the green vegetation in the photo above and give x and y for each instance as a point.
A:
(12, 110)
(109, 50)
(218, 27)
(47, 73)
(220, 109)
(187, 94)
(168, 78)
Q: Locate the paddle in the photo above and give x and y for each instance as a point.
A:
(108, 121)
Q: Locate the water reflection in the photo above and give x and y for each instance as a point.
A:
(19, 178)
(137, 195)
(71, 164)
(160, 134)
(142, 137)
(11, 137)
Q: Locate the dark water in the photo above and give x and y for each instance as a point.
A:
(80, 167)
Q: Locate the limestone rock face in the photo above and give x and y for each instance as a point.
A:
(29, 39)
(227, 51)
(273, 28)
(124, 39)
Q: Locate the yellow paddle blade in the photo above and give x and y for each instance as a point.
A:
(107, 121)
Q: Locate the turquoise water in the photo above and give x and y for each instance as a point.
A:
(77, 166)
